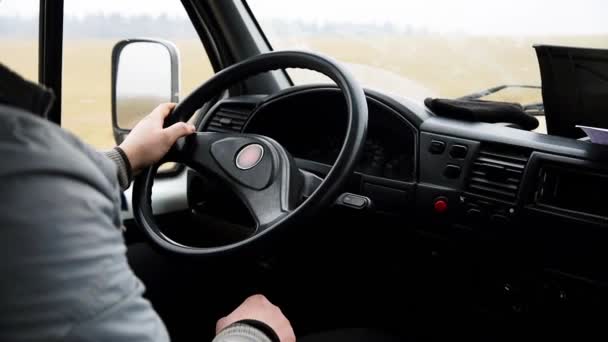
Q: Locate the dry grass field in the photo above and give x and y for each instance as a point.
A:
(415, 66)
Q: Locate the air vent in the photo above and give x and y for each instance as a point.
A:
(229, 118)
(497, 173)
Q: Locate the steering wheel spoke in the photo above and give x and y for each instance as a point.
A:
(311, 183)
(266, 211)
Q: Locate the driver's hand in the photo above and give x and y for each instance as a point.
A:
(259, 308)
(148, 141)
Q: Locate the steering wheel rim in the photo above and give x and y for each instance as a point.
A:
(321, 196)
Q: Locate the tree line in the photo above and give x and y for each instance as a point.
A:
(117, 26)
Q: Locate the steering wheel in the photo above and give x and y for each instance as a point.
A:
(257, 168)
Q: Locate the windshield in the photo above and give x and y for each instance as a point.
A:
(434, 48)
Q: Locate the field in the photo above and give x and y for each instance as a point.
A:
(414, 66)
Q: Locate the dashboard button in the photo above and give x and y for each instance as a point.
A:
(355, 201)
(440, 206)
(452, 171)
(437, 147)
(458, 151)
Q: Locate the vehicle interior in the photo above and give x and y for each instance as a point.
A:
(369, 209)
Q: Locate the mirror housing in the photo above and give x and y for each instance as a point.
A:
(145, 73)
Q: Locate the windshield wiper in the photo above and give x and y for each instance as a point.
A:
(535, 109)
(490, 91)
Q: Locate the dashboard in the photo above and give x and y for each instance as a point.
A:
(526, 210)
(529, 209)
(452, 172)
(519, 195)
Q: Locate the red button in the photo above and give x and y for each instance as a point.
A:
(441, 206)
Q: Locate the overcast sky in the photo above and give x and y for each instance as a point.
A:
(470, 16)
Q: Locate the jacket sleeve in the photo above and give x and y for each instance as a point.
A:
(241, 332)
(123, 167)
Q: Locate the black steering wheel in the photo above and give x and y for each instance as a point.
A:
(258, 169)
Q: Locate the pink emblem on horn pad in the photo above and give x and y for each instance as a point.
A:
(249, 156)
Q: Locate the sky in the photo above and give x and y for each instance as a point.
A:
(463, 16)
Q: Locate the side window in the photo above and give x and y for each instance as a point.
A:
(19, 36)
(91, 28)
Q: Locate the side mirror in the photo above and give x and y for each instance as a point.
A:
(145, 73)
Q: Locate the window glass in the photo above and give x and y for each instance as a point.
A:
(19, 36)
(434, 48)
(91, 28)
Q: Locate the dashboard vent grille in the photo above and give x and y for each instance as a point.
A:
(229, 118)
(497, 173)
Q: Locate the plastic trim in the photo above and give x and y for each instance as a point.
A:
(50, 52)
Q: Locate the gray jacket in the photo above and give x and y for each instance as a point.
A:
(64, 271)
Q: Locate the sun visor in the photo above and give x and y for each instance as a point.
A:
(574, 88)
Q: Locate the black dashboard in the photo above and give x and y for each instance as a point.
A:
(415, 161)
(516, 195)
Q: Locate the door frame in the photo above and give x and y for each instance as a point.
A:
(50, 51)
